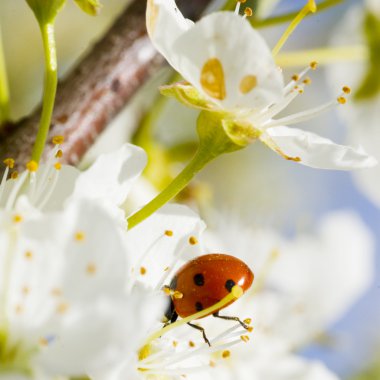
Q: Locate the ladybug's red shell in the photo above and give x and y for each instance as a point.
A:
(207, 279)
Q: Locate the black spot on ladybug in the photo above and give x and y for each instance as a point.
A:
(229, 284)
(199, 280)
(173, 283)
(198, 306)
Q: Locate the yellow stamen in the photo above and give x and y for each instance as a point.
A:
(193, 240)
(32, 166)
(248, 12)
(58, 140)
(226, 354)
(236, 292)
(58, 166)
(169, 233)
(10, 162)
(14, 175)
(17, 218)
(346, 90)
(142, 271)
(79, 236)
(342, 100)
(309, 7)
(244, 338)
(247, 84)
(59, 153)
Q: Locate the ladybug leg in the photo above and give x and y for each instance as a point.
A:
(244, 325)
(203, 332)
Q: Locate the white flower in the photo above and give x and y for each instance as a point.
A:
(231, 72)
(302, 286)
(362, 114)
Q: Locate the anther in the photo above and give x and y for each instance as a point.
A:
(79, 236)
(28, 255)
(314, 65)
(169, 233)
(226, 354)
(91, 268)
(32, 166)
(307, 81)
(342, 100)
(9, 162)
(58, 140)
(58, 166)
(17, 218)
(14, 175)
(346, 90)
(193, 240)
(142, 271)
(248, 12)
(59, 153)
(247, 321)
(191, 343)
(244, 338)
(295, 77)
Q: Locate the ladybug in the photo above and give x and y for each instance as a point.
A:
(204, 281)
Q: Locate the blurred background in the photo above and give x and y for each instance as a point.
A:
(261, 188)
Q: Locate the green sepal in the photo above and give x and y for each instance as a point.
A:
(370, 86)
(240, 132)
(46, 10)
(91, 7)
(212, 134)
(186, 94)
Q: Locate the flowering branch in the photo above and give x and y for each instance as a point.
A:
(97, 89)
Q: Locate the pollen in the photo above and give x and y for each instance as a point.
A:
(169, 233)
(212, 79)
(91, 269)
(346, 90)
(79, 236)
(142, 271)
(59, 153)
(58, 166)
(32, 166)
(58, 140)
(226, 354)
(28, 255)
(14, 175)
(342, 100)
(193, 240)
(191, 343)
(9, 162)
(314, 65)
(17, 218)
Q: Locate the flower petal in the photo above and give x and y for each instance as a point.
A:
(165, 23)
(112, 175)
(227, 60)
(312, 150)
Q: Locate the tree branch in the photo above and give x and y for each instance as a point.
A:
(94, 93)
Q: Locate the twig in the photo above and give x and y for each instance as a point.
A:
(101, 85)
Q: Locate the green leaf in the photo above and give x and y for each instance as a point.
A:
(45, 10)
(91, 7)
(370, 86)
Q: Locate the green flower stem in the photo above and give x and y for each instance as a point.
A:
(4, 89)
(213, 142)
(199, 161)
(281, 19)
(50, 89)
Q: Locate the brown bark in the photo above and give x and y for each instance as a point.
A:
(100, 86)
